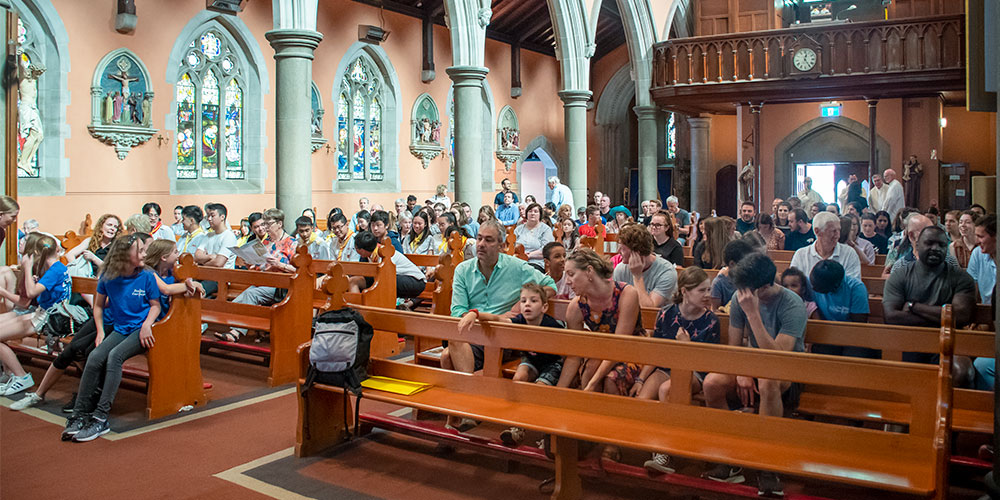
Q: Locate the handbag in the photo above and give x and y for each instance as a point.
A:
(60, 320)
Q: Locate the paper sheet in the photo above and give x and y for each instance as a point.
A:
(254, 254)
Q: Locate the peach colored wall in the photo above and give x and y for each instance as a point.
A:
(970, 137)
(723, 143)
(98, 182)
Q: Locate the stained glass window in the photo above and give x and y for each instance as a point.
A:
(210, 110)
(359, 124)
(30, 168)
(671, 137)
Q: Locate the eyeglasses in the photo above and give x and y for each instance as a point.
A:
(654, 224)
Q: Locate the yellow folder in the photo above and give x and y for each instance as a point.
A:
(394, 385)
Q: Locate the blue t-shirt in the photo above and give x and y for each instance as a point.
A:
(164, 298)
(58, 285)
(128, 299)
(850, 298)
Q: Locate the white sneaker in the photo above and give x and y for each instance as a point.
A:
(30, 399)
(659, 463)
(18, 384)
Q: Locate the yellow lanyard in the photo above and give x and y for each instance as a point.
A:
(342, 246)
(189, 237)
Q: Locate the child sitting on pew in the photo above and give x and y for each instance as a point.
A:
(51, 291)
(130, 293)
(688, 319)
(796, 281)
(160, 257)
(540, 368)
(554, 256)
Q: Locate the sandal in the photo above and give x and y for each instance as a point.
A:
(227, 337)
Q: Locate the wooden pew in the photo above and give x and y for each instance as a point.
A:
(595, 244)
(173, 376)
(382, 293)
(289, 321)
(914, 463)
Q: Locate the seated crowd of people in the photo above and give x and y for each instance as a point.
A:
(927, 264)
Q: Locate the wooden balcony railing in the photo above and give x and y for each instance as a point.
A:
(868, 48)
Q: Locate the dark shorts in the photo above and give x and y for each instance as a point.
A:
(478, 353)
(547, 371)
(407, 287)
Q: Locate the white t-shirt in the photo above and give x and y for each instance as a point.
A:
(218, 244)
(164, 233)
(404, 267)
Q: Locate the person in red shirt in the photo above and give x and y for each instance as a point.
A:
(593, 222)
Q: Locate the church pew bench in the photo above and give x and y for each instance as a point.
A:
(288, 321)
(173, 373)
(913, 462)
(973, 409)
(382, 293)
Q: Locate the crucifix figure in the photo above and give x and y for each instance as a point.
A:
(125, 80)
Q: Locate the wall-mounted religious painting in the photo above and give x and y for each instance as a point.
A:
(316, 121)
(121, 97)
(425, 130)
(508, 132)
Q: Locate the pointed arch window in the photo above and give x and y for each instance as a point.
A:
(671, 137)
(210, 110)
(359, 124)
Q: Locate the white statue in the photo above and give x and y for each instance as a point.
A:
(29, 122)
(746, 179)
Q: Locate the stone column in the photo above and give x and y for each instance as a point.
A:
(873, 140)
(701, 171)
(647, 152)
(575, 123)
(468, 81)
(293, 55)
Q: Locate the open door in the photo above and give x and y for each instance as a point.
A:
(725, 191)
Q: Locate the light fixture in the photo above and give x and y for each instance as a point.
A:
(372, 34)
(944, 122)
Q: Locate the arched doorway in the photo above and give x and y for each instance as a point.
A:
(828, 150)
(538, 162)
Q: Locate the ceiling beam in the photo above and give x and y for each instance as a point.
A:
(532, 30)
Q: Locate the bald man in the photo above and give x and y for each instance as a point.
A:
(892, 200)
(914, 224)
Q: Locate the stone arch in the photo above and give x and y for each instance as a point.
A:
(543, 143)
(486, 135)
(254, 116)
(824, 140)
(391, 118)
(574, 42)
(53, 97)
(613, 116)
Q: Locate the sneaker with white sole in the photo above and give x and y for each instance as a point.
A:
(512, 437)
(93, 430)
(769, 485)
(659, 463)
(30, 399)
(725, 474)
(18, 384)
(73, 426)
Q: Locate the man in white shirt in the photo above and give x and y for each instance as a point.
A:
(808, 196)
(158, 230)
(178, 226)
(893, 201)
(214, 249)
(827, 246)
(876, 197)
(561, 195)
(307, 235)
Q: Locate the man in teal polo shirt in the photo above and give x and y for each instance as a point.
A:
(491, 283)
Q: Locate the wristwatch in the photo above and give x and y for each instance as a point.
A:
(908, 307)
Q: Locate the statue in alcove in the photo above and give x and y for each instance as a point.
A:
(29, 122)
(912, 172)
(747, 177)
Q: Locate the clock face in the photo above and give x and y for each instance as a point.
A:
(804, 59)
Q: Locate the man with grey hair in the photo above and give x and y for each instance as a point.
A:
(892, 200)
(827, 246)
(681, 216)
(913, 225)
(561, 195)
(876, 195)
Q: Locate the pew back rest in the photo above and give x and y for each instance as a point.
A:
(921, 386)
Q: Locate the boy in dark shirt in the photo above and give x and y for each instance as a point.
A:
(540, 368)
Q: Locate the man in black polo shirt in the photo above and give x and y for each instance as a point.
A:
(801, 233)
(745, 222)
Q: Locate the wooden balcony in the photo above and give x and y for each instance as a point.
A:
(911, 57)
